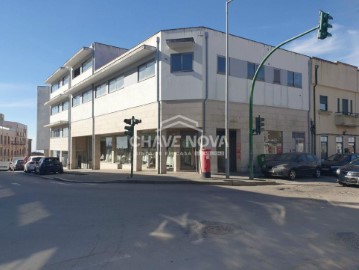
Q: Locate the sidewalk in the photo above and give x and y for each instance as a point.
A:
(151, 177)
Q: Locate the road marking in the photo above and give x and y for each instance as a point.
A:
(15, 184)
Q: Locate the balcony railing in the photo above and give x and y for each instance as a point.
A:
(346, 119)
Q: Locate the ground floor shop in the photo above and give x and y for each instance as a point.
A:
(176, 142)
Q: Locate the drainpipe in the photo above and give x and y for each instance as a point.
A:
(314, 109)
(158, 105)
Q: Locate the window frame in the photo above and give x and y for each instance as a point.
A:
(323, 103)
(99, 92)
(117, 79)
(146, 70)
(182, 63)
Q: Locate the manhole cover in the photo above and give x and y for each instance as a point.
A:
(350, 239)
(217, 229)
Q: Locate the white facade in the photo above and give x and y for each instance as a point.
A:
(177, 74)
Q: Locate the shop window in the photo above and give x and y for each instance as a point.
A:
(324, 147)
(273, 142)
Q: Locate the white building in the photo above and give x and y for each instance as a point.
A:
(174, 82)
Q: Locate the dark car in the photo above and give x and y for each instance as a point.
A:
(17, 165)
(49, 165)
(291, 165)
(332, 163)
(348, 175)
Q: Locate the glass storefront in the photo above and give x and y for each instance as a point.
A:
(106, 149)
(123, 150)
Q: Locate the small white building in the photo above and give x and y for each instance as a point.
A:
(175, 83)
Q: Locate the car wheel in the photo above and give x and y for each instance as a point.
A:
(317, 173)
(292, 175)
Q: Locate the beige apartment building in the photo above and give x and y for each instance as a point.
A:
(13, 139)
(334, 108)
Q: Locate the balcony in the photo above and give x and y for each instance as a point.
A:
(346, 119)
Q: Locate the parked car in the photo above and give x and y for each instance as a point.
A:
(31, 163)
(332, 163)
(4, 165)
(17, 165)
(291, 165)
(348, 175)
(49, 165)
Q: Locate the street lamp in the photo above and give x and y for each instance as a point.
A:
(226, 136)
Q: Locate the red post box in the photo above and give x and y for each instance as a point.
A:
(206, 162)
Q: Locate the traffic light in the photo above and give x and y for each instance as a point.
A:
(324, 25)
(131, 122)
(129, 128)
(259, 125)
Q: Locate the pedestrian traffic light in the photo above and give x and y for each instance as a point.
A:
(259, 125)
(324, 25)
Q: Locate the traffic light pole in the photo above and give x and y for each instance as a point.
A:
(251, 96)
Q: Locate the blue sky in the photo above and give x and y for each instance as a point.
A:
(38, 36)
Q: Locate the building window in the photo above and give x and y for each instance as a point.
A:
(221, 65)
(55, 87)
(76, 100)
(106, 149)
(86, 65)
(323, 103)
(55, 133)
(351, 106)
(182, 62)
(339, 145)
(116, 84)
(345, 106)
(87, 96)
(122, 150)
(83, 68)
(54, 109)
(298, 142)
(276, 78)
(324, 147)
(77, 72)
(252, 71)
(338, 105)
(146, 71)
(65, 132)
(351, 145)
(273, 142)
(294, 79)
(65, 106)
(66, 80)
(101, 90)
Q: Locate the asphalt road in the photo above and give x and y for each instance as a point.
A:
(58, 226)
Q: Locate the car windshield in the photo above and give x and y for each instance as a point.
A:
(339, 157)
(286, 157)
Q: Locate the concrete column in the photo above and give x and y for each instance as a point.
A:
(113, 152)
(238, 150)
(137, 152)
(163, 156)
(212, 132)
(97, 147)
(72, 157)
(176, 159)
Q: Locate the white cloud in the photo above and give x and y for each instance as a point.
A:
(342, 46)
